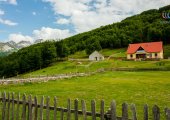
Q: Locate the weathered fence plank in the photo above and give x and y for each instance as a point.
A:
(48, 108)
(17, 110)
(13, 106)
(93, 109)
(8, 109)
(133, 109)
(124, 111)
(55, 108)
(156, 112)
(146, 112)
(76, 109)
(113, 110)
(24, 107)
(102, 110)
(69, 110)
(167, 113)
(29, 107)
(83, 104)
(35, 108)
(62, 114)
(3, 105)
(41, 108)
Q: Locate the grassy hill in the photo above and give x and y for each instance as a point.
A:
(73, 66)
(81, 64)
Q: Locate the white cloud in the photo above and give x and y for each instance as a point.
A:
(66, 7)
(34, 13)
(44, 33)
(13, 2)
(63, 21)
(2, 12)
(8, 22)
(89, 14)
(50, 33)
(19, 37)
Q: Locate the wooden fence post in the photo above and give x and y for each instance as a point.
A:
(17, 110)
(83, 104)
(41, 108)
(76, 109)
(102, 110)
(13, 105)
(133, 109)
(48, 108)
(156, 112)
(3, 105)
(55, 108)
(93, 109)
(62, 114)
(69, 110)
(29, 107)
(124, 111)
(8, 111)
(145, 112)
(35, 108)
(24, 107)
(111, 113)
(167, 113)
(113, 110)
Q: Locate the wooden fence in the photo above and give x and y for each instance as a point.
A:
(30, 109)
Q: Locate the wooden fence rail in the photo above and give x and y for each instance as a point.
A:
(28, 108)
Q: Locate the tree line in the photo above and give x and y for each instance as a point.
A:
(146, 27)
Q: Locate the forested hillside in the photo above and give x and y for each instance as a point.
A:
(145, 27)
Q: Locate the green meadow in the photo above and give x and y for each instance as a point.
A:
(87, 66)
(132, 87)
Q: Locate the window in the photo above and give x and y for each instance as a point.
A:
(131, 56)
(156, 55)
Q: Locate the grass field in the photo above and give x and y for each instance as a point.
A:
(131, 87)
(87, 66)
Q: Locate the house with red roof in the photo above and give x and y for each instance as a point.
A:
(150, 50)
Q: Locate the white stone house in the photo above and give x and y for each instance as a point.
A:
(96, 56)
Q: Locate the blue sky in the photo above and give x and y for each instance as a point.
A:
(56, 19)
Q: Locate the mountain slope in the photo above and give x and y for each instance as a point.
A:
(8, 47)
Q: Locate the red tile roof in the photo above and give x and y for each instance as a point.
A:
(148, 47)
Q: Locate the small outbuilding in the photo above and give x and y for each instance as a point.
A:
(96, 56)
